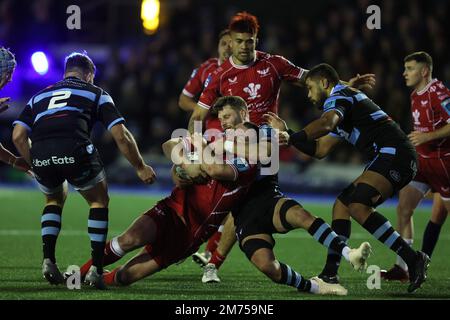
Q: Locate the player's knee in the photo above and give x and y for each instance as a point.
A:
(295, 217)
(252, 245)
(363, 199)
(404, 210)
(128, 241)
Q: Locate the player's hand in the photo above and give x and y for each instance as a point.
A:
(146, 174)
(21, 164)
(180, 177)
(363, 82)
(283, 138)
(3, 104)
(275, 121)
(418, 138)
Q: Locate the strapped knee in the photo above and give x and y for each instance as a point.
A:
(289, 203)
(364, 193)
(346, 194)
(251, 245)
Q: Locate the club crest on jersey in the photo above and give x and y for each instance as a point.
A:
(395, 175)
(232, 80)
(207, 81)
(423, 103)
(90, 148)
(252, 90)
(416, 116)
(263, 72)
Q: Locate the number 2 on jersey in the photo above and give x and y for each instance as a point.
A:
(57, 99)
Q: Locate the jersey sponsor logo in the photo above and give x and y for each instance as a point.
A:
(53, 160)
(252, 90)
(194, 72)
(395, 175)
(207, 81)
(232, 80)
(263, 72)
(416, 116)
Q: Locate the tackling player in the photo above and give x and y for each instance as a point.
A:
(349, 115)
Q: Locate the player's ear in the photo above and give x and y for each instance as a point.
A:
(324, 82)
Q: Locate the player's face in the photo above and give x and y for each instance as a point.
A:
(229, 118)
(224, 47)
(316, 92)
(243, 46)
(414, 73)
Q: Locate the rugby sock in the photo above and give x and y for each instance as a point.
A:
(322, 232)
(113, 253)
(342, 227)
(400, 262)
(50, 227)
(98, 230)
(294, 279)
(217, 259)
(109, 277)
(430, 237)
(382, 229)
(213, 242)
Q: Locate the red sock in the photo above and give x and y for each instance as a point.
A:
(217, 259)
(85, 268)
(109, 258)
(213, 242)
(109, 277)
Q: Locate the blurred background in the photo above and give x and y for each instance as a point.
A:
(145, 70)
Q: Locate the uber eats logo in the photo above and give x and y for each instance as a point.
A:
(53, 160)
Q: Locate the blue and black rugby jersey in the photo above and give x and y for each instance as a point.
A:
(68, 109)
(362, 123)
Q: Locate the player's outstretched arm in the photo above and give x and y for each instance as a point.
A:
(128, 147)
(21, 141)
(16, 162)
(362, 82)
(198, 115)
(186, 103)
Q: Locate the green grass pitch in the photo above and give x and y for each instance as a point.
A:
(20, 263)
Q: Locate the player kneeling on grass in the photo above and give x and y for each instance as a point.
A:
(177, 225)
(350, 115)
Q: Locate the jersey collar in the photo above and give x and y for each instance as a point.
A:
(426, 87)
(337, 87)
(245, 66)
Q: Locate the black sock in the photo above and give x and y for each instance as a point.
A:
(294, 279)
(382, 229)
(50, 227)
(98, 230)
(322, 232)
(342, 227)
(430, 237)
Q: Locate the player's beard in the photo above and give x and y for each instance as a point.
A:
(320, 102)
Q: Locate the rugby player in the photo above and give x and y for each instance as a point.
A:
(58, 120)
(256, 77)
(430, 109)
(7, 66)
(349, 115)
